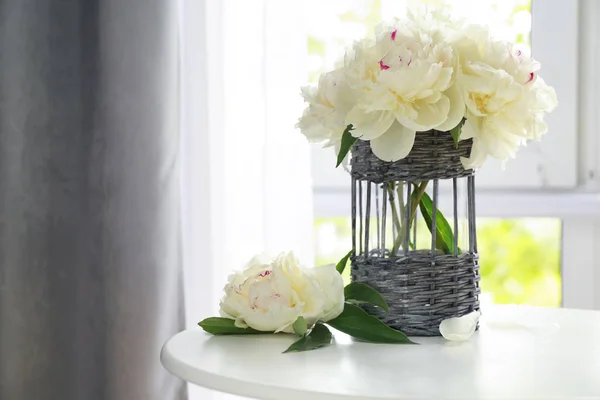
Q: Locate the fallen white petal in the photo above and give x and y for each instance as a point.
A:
(460, 329)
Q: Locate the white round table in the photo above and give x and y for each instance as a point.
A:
(519, 353)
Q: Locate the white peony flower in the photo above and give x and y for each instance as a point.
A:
(270, 294)
(505, 98)
(429, 71)
(460, 329)
(323, 121)
(403, 83)
(328, 277)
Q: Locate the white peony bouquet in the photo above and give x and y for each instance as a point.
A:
(423, 72)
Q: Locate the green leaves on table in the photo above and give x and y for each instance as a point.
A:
(357, 323)
(341, 265)
(347, 142)
(357, 293)
(444, 239)
(319, 336)
(224, 326)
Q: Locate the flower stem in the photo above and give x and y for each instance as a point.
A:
(395, 216)
(417, 194)
(400, 196)
(415, 200)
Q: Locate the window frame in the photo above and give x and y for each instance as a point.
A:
(568, 181)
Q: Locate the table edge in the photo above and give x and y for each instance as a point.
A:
(263, 391)
(238, 387)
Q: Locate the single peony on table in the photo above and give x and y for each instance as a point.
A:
(271, 294)
(279, 295)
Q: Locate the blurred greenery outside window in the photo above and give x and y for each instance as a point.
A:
(520, 258)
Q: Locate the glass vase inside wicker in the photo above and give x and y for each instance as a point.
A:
(423, 285)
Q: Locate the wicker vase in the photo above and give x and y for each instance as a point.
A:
(422, 286)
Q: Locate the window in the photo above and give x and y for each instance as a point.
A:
(521, 245)
(520, 263)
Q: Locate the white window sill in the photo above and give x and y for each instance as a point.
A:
(504, 204)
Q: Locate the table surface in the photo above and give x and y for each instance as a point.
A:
(519, 353)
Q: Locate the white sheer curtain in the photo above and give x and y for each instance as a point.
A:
(246, 171)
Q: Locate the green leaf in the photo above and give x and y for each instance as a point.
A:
(455, 132)
(444, 239)
(341, 265)
(224, 326)
(319, 336)
(352, 310)
(357, 323)
(347, 141)
(357, 293)
(300, 326)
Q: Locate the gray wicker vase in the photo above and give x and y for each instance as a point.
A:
(422, 286)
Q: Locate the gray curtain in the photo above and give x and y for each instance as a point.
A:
(90, 271)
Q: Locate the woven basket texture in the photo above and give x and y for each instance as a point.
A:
(421, 288)
(433, 156)
(421, 292)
